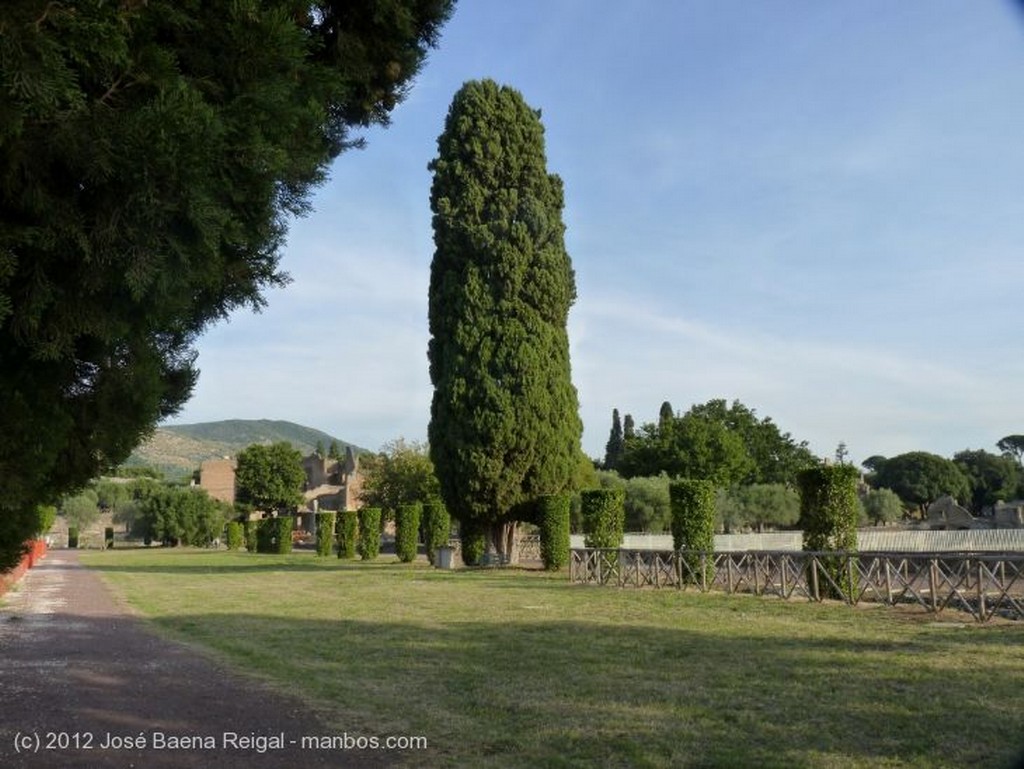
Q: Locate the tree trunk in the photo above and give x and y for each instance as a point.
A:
(505, 539)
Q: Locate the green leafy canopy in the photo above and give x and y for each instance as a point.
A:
(151, 154)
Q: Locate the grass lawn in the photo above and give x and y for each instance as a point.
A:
(511, 668)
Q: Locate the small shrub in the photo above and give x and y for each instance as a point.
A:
(108, 537)
(369, 533)
(348, 529)
(407, 531)
(437, 525)
(324, 533)
(553, 511)
(72, 537)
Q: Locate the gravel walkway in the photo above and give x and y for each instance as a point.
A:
(83, 684)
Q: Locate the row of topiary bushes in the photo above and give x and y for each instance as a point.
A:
(828, 516)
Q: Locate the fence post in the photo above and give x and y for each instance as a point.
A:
(933, 582)
(982, 612)
(814, 578)
(785, 565)
(852, 598)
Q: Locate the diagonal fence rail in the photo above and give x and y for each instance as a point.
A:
(984, 585)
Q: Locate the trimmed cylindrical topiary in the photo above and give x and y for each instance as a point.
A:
(553, 511)
(274, 535)
(693, 527)
(369, 533)
(348, 530)
(407, 531)
(108, 537)
(828, 517)
(604, 517)
(693, 515)
(437, 527)
(324, 533)
(235, 535)
(72, 537)
(473, 544)
(252, 536)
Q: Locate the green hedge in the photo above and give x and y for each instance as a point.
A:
(72, 537)
(437, 527)
(235, 535)
(473, 544)
(274, 535)
(604, 516)
(369, 533)
(348, 530)
(324, 533)
(828, 517)
(553, 511)
(252, 531)
(693, 525)
(407, 531)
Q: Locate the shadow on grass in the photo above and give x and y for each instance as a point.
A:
(574, 694)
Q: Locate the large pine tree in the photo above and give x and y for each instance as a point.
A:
(151, 156)
(504, 425)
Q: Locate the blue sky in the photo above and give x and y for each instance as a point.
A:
(816, 208)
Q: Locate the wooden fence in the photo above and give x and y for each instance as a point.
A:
(984, 585)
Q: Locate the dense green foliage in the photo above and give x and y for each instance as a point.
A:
(274, 535)
(504, 426)
(725, 444)
(603, 517)
(348, 533)
(990, 477)
(437, 527)
(646, 502)
(1013, 447)
(270, 478)
(325, 523)
(920, 478)
(693, 526)
(252, 530)
(472, 544)
(72, 537)
(235, 535)
(882, 506)
(82, 509)
(757, 507)
(369, 533)
(829, 511)
(407, 531)
(179, 516)
(400, 474)
(553, 521)
(693, 515)
(151, 154)
(46, 515)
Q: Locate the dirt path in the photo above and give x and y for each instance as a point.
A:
(83, 683)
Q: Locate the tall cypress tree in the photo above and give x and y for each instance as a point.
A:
(616, 443)
(504, 425)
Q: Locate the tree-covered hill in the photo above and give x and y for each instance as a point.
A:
(178, 449)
